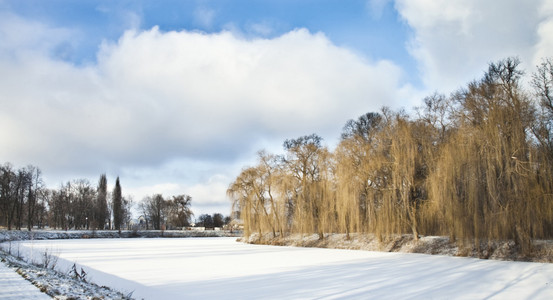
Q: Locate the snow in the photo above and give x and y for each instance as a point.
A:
(191, 268)
(13, 286)
(18, 235)
(59, 285)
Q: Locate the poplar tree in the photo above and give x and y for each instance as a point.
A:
(101, 212)
(117, 206)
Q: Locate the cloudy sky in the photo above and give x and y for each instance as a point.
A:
(177, 96)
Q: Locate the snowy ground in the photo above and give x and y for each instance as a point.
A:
(13, 286)
(19, 235)
(22, 280)
(195, 268)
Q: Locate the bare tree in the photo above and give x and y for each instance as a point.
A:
(127, 204)
(7, 194)
(155, 208)
(180, 212)
(35, 185)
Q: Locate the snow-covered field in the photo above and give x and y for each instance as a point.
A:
(193, 268)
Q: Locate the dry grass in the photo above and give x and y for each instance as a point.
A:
(542, 251)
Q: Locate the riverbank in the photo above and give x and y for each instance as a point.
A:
(21, 235)
(498, 250)
(69, 284)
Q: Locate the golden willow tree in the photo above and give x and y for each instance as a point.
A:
(307, 168)
(490, 182)
(477, 165)
(256, 196)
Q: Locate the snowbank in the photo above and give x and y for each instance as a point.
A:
(498, 250)
(14, 287)
(58, 285)
(21, 235)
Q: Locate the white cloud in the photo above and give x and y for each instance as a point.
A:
(210, 197)
(157, 97)
(455, 40)
(19, 36)
(544, 47)
(220, 89)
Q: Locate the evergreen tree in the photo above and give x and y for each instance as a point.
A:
(117, 206)
(101, 211)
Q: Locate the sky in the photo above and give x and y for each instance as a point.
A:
(176, 97)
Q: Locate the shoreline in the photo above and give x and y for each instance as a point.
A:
(20, 235)
(542, 251)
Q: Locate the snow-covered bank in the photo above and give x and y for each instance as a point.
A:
(223, 268)
(54, 284)
(498, 250)
(20, 235)
(14, 287)
(56, 281)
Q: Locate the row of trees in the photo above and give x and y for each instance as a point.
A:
(160, 213)
(475, 165)
(174, 213)
(25, 200)
(212, 221)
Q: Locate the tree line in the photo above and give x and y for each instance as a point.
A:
(26, 202)
(213, 221)
(475, 165)
(159, 213)
(77, 204)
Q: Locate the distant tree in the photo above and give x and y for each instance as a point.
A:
(23, 180)
(42, 211)
(218, 220)
(34, 186)
(143, 206)
(154, 209)
(228, 219)
(172, 212)
(205, 220)
(101, 212)
(117, 206)
(110, 210)
(59, 203)
(7, 194)
(127, 211)
(83, 196)
(180, 212)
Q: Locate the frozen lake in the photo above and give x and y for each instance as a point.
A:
(193, 268)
